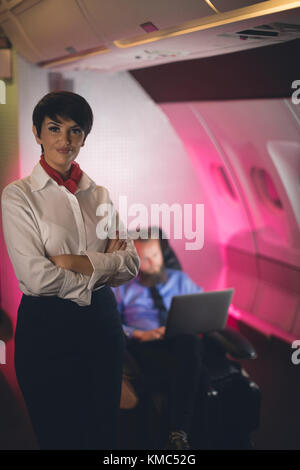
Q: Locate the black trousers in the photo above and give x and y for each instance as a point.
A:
(174, 364)
(68, 362)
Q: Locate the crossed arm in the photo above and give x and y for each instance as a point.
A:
(71, 277)
(81, 263)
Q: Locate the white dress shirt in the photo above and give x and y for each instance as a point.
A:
(41, 218)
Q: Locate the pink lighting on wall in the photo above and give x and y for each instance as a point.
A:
(10, 293)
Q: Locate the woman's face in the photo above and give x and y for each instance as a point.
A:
(62, 140)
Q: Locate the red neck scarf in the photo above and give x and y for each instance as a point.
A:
(72, 182)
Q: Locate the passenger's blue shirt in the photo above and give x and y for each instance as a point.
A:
(136, 305)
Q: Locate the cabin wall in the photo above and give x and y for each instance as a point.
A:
(246, 157)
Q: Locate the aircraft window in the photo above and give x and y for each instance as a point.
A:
(265, 188)
(222, 181)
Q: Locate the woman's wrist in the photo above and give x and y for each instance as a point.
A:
(81, 264)
(76, 263)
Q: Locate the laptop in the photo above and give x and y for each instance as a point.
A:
(198, 313)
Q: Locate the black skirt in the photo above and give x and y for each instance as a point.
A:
(69, 362)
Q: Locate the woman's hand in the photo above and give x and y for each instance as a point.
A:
(81, 263)
(115, 244)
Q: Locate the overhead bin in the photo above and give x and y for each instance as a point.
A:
(44, 30)
(55, 32)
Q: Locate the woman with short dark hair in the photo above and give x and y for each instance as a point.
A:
(69, 341)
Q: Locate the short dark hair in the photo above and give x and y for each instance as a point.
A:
(66, 104)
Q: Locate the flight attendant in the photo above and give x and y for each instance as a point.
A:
(69, 341)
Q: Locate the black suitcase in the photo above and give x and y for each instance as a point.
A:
(226, 413)
(228, 409)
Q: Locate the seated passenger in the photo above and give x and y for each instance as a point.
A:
(143, 303)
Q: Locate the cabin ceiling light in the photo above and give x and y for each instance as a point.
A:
(254, 11)
(209, 3)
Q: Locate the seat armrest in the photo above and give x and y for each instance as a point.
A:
(233, 343)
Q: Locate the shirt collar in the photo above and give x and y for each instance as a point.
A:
(39, 178)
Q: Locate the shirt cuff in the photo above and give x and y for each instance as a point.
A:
(74, 288)
(104, 264)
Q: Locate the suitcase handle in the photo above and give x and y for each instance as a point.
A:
(233, 343)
